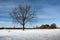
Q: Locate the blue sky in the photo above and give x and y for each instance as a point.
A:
(48, 11)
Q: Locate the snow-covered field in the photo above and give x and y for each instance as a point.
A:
(36, 34)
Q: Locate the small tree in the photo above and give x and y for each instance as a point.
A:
(53, 26)
(44, 26)
(23, 15)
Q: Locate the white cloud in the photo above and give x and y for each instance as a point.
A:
(43, 17)
(49, 12)
(7, 6)
(8, 24)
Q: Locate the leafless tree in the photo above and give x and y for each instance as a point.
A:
(23, 14)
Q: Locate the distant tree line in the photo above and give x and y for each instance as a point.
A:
(47, 26)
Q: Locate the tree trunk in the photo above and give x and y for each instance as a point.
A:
(23, 27)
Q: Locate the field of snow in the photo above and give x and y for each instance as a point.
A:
(36, 34)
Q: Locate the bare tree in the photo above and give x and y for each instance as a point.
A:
(23, 15)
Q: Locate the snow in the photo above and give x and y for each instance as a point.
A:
(36, 34)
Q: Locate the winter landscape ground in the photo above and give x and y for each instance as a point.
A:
(34, 34)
